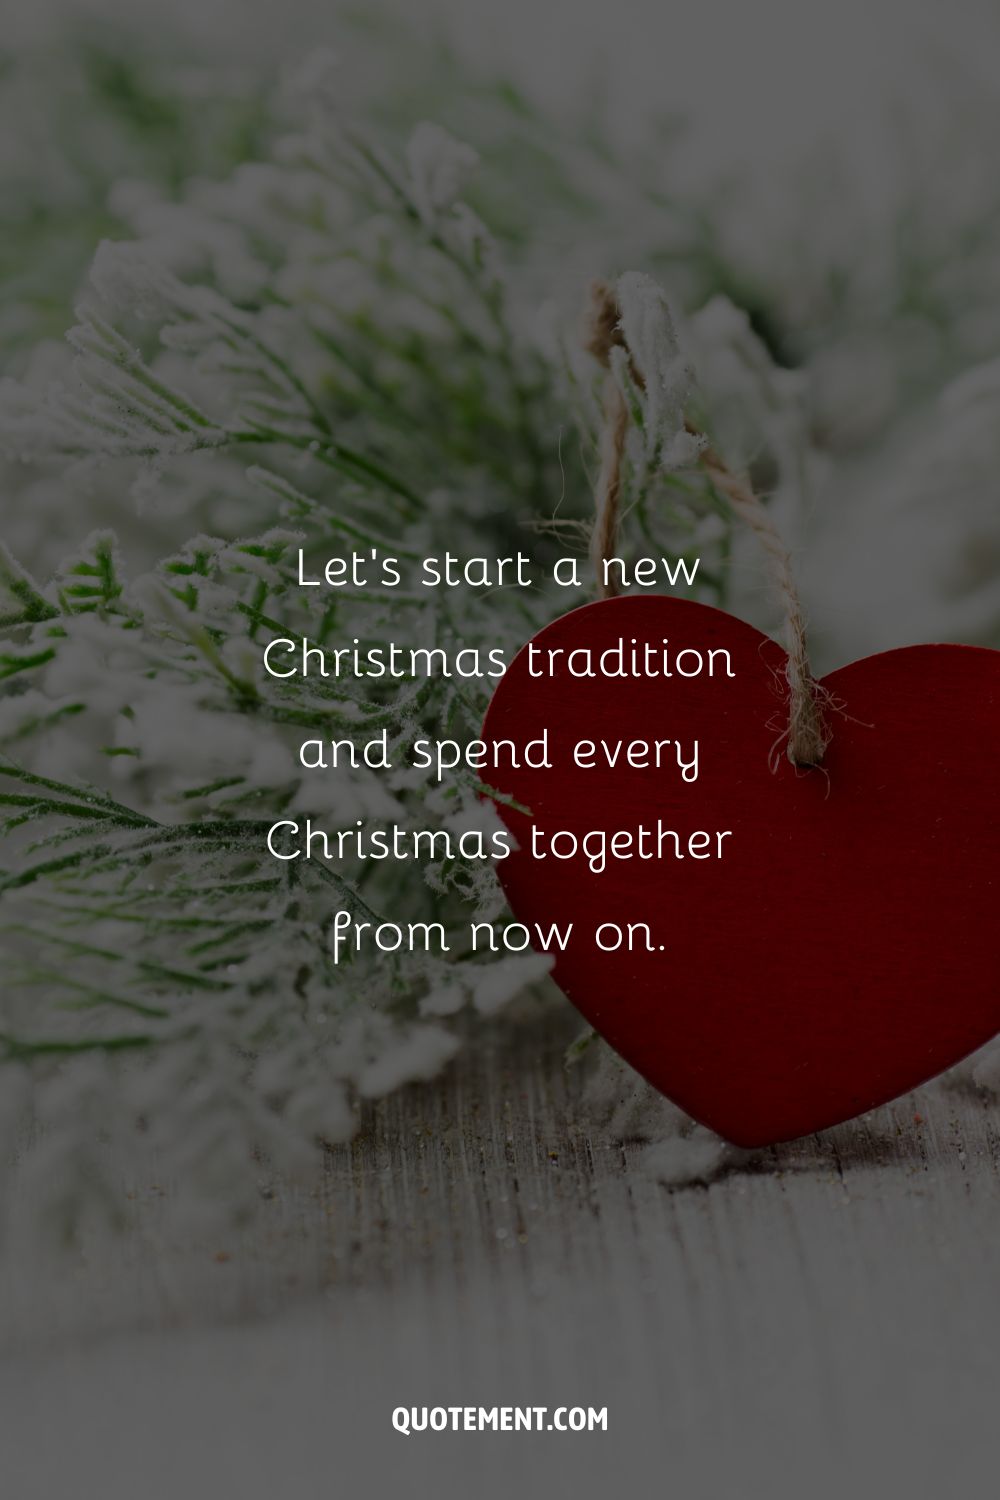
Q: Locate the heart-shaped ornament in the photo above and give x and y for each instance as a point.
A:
(821, 941)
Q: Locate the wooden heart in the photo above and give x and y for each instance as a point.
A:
(839, 944)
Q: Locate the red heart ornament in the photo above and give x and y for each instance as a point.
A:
(839, 945)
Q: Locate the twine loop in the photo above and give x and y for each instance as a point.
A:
(807, 736)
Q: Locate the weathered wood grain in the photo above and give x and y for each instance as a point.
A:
(825, 1317)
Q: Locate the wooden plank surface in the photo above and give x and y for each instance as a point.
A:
(823, 1318)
